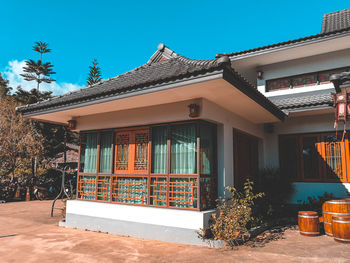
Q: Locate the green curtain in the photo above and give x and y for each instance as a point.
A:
(90, 156)
(183, 149)
(106, 141)
(159, 150)
(82, 152)
(207, 148)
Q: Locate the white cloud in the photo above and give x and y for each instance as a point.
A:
(15, 68)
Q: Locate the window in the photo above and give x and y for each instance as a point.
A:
(302, 80)
(159, 150)
(88, 153)
(183, 149)
(106, 144)
(315, 157)
(131, 152)
(310, 156)
(289, 156)
(207, 153)
(170, 165)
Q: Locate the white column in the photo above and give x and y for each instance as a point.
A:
(225, 158)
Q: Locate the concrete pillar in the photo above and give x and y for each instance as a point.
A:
(225, 158)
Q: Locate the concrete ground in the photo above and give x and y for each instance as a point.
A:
(29, 234)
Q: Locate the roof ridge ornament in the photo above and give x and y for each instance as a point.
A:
(161, 47)
(223, 60)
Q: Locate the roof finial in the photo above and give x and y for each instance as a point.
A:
(161, 47)
(223, 60)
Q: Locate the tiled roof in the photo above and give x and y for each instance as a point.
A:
(341, 80)
(336, 21)
(137, 79)
(153, 75)
(333, 24)
(305, 100)
(287, 43)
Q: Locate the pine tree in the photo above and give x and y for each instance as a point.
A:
(94, 74)
(4, 88)
(37, 70)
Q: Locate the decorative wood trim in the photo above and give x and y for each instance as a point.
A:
(317, 79)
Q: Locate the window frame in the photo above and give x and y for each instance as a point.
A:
(322, 173)
(197, 176)
(131, 151)
(98, 153)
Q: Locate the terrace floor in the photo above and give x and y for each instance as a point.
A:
(29, 234)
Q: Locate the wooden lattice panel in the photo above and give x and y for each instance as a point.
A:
(103, 188)
(87, 187)
(304, 80)
(122, 151)
(324, 76)
(183, 192)
(278, 84)
(141, 150)
(129, 190)
(158, 191)
(334, 156)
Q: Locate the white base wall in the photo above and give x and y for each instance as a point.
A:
(171, 225)
(188, 219)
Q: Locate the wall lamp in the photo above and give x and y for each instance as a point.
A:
(194, 110)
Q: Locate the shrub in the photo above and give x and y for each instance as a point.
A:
(234, 216)
(315, 204)
(278, 189)
(7, 188)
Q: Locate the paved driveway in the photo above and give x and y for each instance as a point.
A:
(29, 234)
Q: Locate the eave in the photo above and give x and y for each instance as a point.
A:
(222, 87)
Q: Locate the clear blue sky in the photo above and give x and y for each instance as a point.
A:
(124, 34)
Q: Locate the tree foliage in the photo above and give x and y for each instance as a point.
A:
(4, 88)
(94, 74)
(53, 135)
(38, 70)
(18, 137)
(29, 97)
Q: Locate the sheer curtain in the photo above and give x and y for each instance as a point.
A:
(106, 152)
(90, 158)
(159, 150)
(207, 148)
(183, 149)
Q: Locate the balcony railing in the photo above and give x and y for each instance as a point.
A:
(183, 192)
